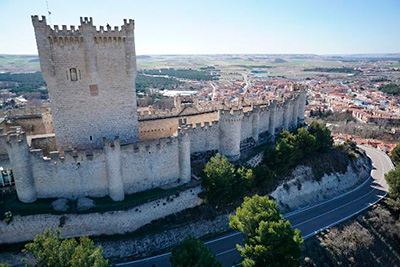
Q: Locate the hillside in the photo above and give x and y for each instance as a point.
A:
(370, 239)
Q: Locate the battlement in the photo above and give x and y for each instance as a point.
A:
(205, 126)
(232, 113)
(16, 138)
(61, 33)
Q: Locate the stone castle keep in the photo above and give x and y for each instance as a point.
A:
(104, 147)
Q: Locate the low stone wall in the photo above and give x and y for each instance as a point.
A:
(303, 189)
(25, 228)
(144, 246)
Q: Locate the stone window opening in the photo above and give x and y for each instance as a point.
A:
(91, 138)
(74, 74)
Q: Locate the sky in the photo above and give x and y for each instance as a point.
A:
(219, 26)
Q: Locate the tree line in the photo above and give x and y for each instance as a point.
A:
(191, 74)
(391, 89)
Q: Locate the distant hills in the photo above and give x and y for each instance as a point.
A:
(279, 60)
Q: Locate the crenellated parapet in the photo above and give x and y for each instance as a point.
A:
(64, 35)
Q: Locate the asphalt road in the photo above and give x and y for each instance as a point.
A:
(310, 220)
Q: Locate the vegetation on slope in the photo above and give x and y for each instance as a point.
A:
(370, 239)
(224, 183)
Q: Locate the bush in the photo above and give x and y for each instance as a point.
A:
(192, 252)
(396, 155)
(322, 135)
(222, 181)
(393, 180)
(49, 249)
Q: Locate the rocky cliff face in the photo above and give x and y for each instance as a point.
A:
(303, 188)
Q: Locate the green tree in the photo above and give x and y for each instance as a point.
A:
(48, 249)
(264, 177)
(323, 136)
(285, 154)
(305, 144)
(222, 182)
(396, 155)
(192, 253)
(393, 180)
(269, 238)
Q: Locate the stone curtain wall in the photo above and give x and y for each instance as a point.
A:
(150, 129)
(134, 168)
(25, 228)
(204, 138)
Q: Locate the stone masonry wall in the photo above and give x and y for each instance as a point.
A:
(144, 166)
(101, 101)
(25, 228)
(150, 129)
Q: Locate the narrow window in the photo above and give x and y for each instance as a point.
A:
(73, 73)
(91, 138)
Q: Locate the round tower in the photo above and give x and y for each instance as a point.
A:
(18, 152)
(272, 113)
(295, 111)
(286, 114)
(114, 170)
(256, 123)
(185, 172)
(302, 105)
(230, 124)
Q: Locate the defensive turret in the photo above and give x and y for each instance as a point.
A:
(229, 134)
(18, 152)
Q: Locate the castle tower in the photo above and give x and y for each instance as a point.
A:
(18, 151)
(302, 104)
(90, 76)
(295, 115)
(255, 124)
(286, 114)
(112, 151)
(229, 133)
(185, 172)
(272, 120)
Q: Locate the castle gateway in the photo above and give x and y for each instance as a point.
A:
(90, 75)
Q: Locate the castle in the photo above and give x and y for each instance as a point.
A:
(104, 147)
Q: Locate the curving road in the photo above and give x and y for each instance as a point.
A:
(310, 220)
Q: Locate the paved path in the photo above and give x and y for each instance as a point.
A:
(310, 220)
